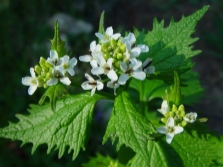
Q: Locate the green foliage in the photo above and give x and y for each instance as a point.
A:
(102, 161)
(101, 23)
(218, 147)
(171, 47)
(54, 93)
(187, 149)
(56, 43)
(69, 126)
(129, 126)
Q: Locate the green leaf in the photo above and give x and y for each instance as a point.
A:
(68, 127)
(186, 150)
(56, 43)
(101, 23)
(218, 147)
(171, 47)
(129, 126)
(102, 161)
(54, 93)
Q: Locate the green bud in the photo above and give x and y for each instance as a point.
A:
(174, 108)
(171, 114)
(164, 120)
(183, 123)
(181, 107)
(122, 48)
(48, 65)
(117, 64)
(203, 120)
(113, 43)
(45, 86)
(38, 69)
(119, 56)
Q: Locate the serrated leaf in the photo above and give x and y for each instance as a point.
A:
(218, 147)
(54, 93)
(102, 161)
(171, 47)
(128, 126)
(68, 127)
(56, 43)
(101, 23)
(185, 150)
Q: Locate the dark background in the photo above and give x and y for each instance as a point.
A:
(24, 32)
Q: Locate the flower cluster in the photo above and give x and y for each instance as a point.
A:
(50, 72)
(174, 120)
(115, 57)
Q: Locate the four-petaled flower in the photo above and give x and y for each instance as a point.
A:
(92, 84)
(170, 130)
(108, 35)
(68, 64)
(54, 59)
(133, 69)
(58, 75)
(190, 117)
(32, 82)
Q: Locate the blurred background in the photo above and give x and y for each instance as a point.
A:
(25, 30)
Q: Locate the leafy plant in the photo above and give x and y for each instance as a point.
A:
(140, 67)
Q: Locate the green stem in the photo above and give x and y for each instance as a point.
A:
(143, 104)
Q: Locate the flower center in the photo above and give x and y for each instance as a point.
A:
(170, 129)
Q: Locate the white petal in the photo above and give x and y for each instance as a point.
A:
(131, 38)
(170, 122)
(116, 36)
(93, 46)
(66, 59)
(86, 86)
(164, 105)
(136, 52)
(124, 66)
(100, 85)
(128, 46)
(169, 137)
(89, 78)
(73, 62)
(110, 84)
(85, 58)
(101, 60)
(52, 81)
(150, 70)
(162, 129)
(143, 48)
(98, 48)
(136, 65)
(109, 31)
(32, 89)
(112, 75)
(123, 78)
(109, 62)
(53, 54)
(32, 72)
(93, 91)
(133, 61)
(100, 36)
(145, 63)
(178, 129)
(97, 71)
(140, 75)
(26, 81)
(162, 111)
(71, 71)
(94, 63)
(65, 80)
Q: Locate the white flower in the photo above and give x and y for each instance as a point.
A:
(164, 107)
(190, 117)
(108, 35)
(170, 130)
(131, 39)
(147, 68)
(54, 60)
(68, 64)
(95, 51)
(131, 70)
(91, 84)
(105, 68)
(132, 53)
(32, 82)
(58, 75)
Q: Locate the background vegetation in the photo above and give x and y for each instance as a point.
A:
(26, 27)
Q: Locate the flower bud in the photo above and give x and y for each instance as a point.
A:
(38, 69)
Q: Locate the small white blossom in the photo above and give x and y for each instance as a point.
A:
(190, 117)
(114, 85)
(164, 107)
(108, 35)
(32, 82)
(54, 60)
(170, 130)
(95, 52)
(105, 68)
(58, 75)
(92, 84)
(68, 64)
(131, 70)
